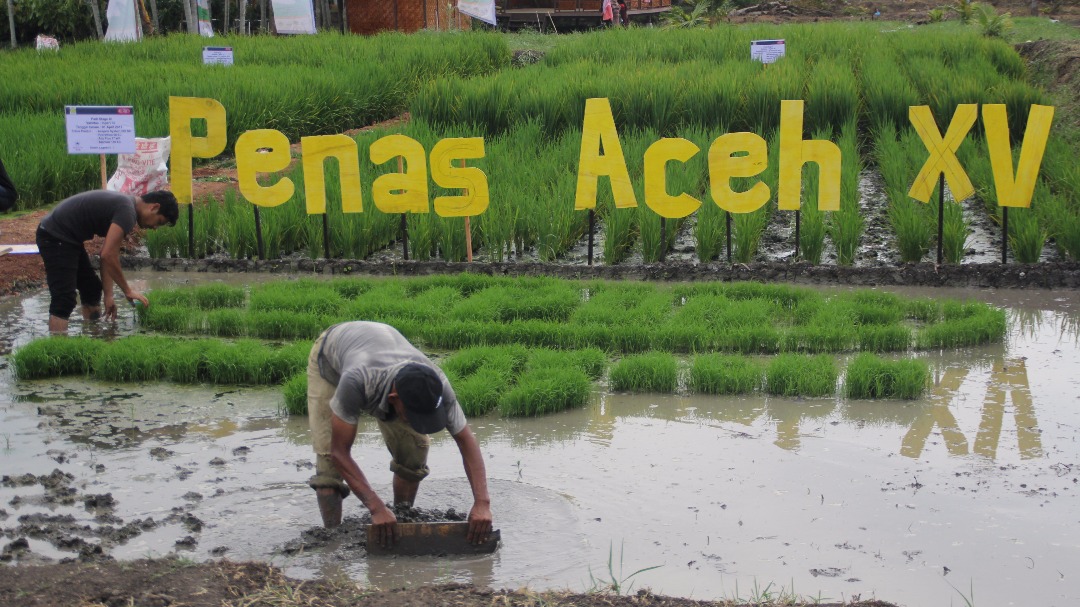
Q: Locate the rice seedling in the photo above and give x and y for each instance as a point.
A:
(801, 375)
(226, 322)
(295, 393)
(845, 227)
(884, 338)
(55, 356)
(137, 358)
(1026, 236)
(282, 324)
(955, 232)
(870, 376)
(543, 391)
(963, 325)
(719, 374)
(171, 319)
(299, 296)
(650, 372)
(509, 360)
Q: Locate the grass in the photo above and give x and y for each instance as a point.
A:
(650, 372)
(801, 375)
(870, 376)
(719, 374)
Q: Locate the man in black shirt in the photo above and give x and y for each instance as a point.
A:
(60, 238)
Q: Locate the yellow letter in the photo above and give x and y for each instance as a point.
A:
(723, 166)
(250, 161)
(599, 128)
(1016, 192)
(315, 151)
(413, 182)
(474, 200)
(656, 195)
(795, 152)
(942, 157)
(185, 147)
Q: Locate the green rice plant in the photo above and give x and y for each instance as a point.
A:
(591, 361)
(509, 360)
(171, 319)
(543, 391)
(282, 324)
(242, 362)
(282, 362)
(749, 340)
(955, 232)
(832, 96)
(214, 296)
(870, 376)
(137, 358)
(55, 356)
(801, 375)
(350, 288)
(302, 296)
(650, 372)
(719, 374)
(818, 337)
(295, 393)
(480, 392)
(812, 224)
(963, 325)
(884, 338)
(845, 227)
(1026, 236)
(922, 309)
(534, 298)
(226, 322)
(186, 363)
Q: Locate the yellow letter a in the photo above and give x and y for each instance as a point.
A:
(599, 128)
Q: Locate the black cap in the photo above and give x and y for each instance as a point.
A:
(421, 391)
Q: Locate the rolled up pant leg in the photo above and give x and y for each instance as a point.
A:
(320, 392)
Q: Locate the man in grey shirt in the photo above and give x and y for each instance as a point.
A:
(60, 238)
(369, 368)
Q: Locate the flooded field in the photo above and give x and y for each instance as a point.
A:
(970, 494)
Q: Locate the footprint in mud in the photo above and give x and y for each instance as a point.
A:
(161, 453)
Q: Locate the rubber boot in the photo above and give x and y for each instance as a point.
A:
(329, 507)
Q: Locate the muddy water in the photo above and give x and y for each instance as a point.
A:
(972, 490)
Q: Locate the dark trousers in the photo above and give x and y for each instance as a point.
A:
(67, 271)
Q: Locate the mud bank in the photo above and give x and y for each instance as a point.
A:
(1050, 275)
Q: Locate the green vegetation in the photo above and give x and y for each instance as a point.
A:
(719, 374)
(870, 376)
(650, 372)
(801, 375)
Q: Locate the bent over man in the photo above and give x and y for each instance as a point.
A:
(368, 368)
(60, 238)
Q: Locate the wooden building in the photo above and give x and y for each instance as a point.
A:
(374, 16)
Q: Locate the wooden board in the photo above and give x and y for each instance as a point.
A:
(432, 539)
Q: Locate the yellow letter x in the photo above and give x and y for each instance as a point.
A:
(942, 157)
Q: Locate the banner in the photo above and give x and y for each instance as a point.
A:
(294, 16)
(123, 21)
(483, 10)
(205, 29)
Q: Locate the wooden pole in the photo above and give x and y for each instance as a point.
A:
(1004, 234)
(663, 237)
(727, 220)
(592, 230)
(258, 233)
(468, 230)
(11, 21)
(326, 235)
(96, 11)
(940, 217)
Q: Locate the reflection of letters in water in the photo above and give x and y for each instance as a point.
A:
(1008, 378)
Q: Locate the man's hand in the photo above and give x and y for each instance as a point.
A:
(479, 523)
(135, 296)
(385, 524)
(110, 307)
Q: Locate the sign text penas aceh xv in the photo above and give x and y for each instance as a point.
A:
(730, 155)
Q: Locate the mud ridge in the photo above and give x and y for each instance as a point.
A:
(1047, 275)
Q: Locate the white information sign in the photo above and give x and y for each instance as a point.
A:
(294, 16)
(766, 51)
(219, 55)
(483, 10)
(95, 129)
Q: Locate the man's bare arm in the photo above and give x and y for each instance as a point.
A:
(473, 460)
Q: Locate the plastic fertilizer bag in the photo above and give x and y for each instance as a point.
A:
(144, 171)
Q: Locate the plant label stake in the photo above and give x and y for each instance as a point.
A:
(940, 216)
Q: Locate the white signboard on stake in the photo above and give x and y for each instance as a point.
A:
(96, 129)
(203, 9)
(123, 18)
(483, 10)
(219, 55)
(294, 16)
(766, 51)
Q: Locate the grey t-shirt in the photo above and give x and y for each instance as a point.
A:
(83, 216)
(362, 358)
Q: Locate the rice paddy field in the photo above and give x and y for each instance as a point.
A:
(857, 81)
(864, 442)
